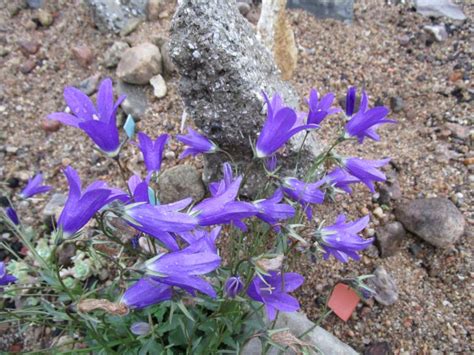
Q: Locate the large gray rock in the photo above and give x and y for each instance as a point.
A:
(337, 9)
(139, 64)
(224, 69)
(298, 323)
(436, 220)
(439, 8)
(113, 15)
(180, 182)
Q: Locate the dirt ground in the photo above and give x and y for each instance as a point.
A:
(386, 51)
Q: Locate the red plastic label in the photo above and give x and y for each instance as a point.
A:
(343, 301)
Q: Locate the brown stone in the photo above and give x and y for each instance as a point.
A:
(50, 126)
(28, 47)
(83, 55)
(455, 76)
(27, 66)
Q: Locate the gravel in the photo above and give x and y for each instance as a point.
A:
(385, 50)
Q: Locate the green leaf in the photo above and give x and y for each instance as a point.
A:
(151, 347)
(183, 308)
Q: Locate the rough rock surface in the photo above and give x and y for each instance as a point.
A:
(386, 291)
(139, 64)
(180, 182)
(436, 220)
(113, 15)
(224, 69)
(298, 323)
(276, 32)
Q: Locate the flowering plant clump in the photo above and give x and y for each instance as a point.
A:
(189, 276)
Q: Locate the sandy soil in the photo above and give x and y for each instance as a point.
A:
(385, 50)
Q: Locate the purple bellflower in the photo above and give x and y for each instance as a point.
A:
(366, 170)
(159, 221)
(341, 179)
(182, 268)
(216, 188)
(197, 143)
(281, 124)
(139, 189)
(222, 208)
(11, 213)
(233, 286)
(271, 163)
(318, 110)
(350, 101)
(202, 234)
(273, 290)
(82, 205)
(365, 122)
(304, 192)
(99, 123)
(34, 187)
(146, 292)
(341, 239)
(152, 151)
(5, 279)
(272, 211)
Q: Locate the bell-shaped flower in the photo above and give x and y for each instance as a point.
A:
(281, 124)
(139, 189)
(11, 214)
(34, 187)
(201, 234)
(272, 290)
(81, 205)
(341, 239)
(341, 179)
(159, 221)
(233, 286)
(365, 121)
(366, 170)
(182, 268)
(271, 163)
(222, 208)
(197, 144)
(152, 151)
(272, 211)
(319, 109)
(5, 278)
(218, 187)
(99, 123)
(304, 192)
(351, 101)
(146, 292)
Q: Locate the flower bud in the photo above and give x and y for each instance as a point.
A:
(233, 286)
(140, 328)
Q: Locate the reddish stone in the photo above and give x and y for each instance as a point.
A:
(455, 76)
(27, 66)
(28, 47)
(50, 126)
(83, 55)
